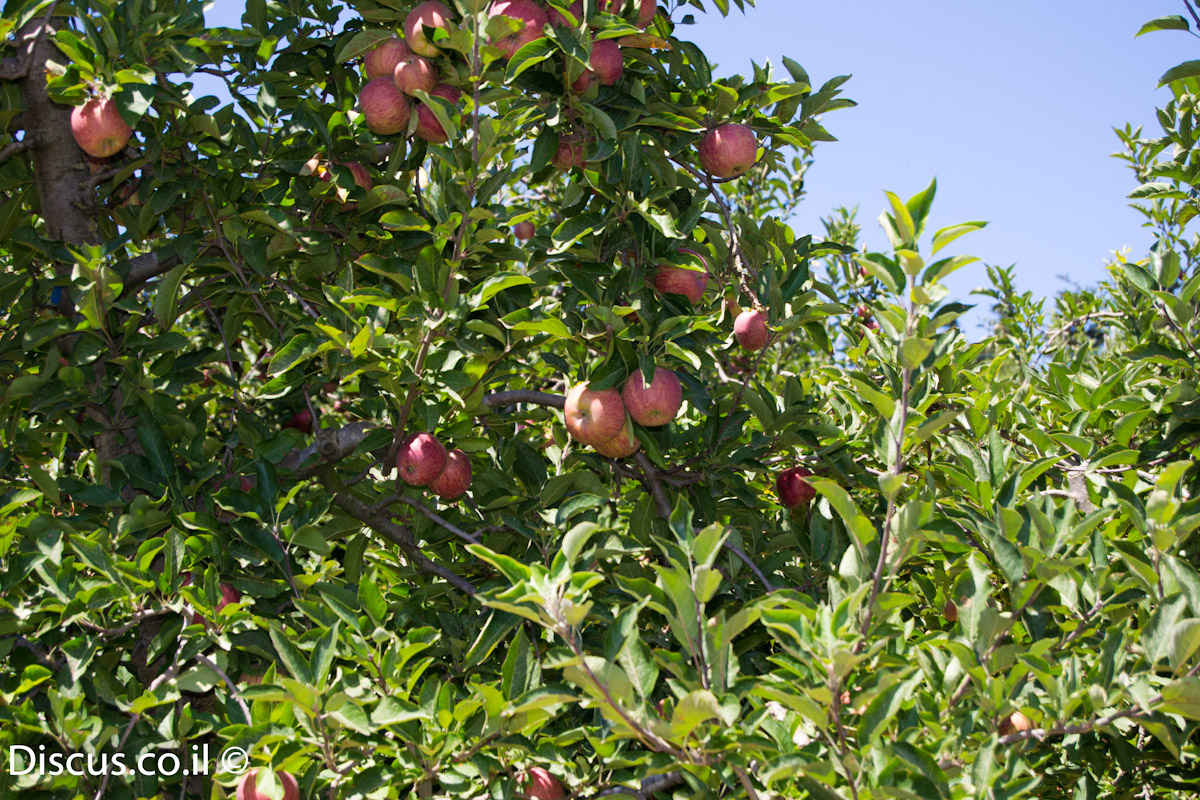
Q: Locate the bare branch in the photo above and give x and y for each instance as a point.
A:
(498, 399)
(438, 520)
(15, 148)
(401, 537)
(653, 485)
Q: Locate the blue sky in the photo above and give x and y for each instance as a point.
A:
(1010, 105)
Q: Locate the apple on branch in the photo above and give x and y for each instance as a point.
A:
(539, 784)
(751, 331)
(728, 150)
(385, 107)
(428, 127)
(593, 416)
(531, 18)
(623, 445)
(98, 128)
(381, 60)
(656, 404)
(455, 478)
(431, 14)
(794, 492)
(420, 459)
(248, 786)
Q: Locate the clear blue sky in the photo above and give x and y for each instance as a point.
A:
(1011, 105)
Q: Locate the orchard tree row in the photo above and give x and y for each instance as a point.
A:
(452, 412)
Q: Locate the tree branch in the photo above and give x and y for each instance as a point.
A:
(399, 536)
(498, 399)
(438, 520)
(15, 148)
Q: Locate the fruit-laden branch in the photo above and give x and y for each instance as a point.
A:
(737, 258)
(398, 535)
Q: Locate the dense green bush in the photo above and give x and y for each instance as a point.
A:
(210, 356)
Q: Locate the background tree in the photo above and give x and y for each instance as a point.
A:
(253, 355)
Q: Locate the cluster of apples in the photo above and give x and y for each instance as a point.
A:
(603, 418)
(423, 461)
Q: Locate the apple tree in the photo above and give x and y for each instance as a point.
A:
(452, 412)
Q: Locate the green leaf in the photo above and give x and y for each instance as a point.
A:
(947, 235)
(290, 655)
(495, 284)
(1172, 22)
(1188, 69)
(360, 44)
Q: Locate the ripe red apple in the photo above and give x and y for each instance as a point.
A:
(380, 61)
(247, 789)
(1014, 723)
(540, 785)
(362, 178)
(872, 324)
(623, 445)
(656, 404)
(98, 128)
(751, 331)
(524, 230)
(950, 612)
(728, 150)
(428, 127)
(302, 421)
(529, 14)
(556, 18)
(793, 491)
(385, 107)
(645, 8)
(570, 152)
(455, 478)
(862, 311)
(670, 279)
(585, 81)
(413, 73)
(593, 417)
(420, 459)
(431, 14)
(607, 62)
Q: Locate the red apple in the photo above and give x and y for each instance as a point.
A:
(362, 178)
(1014, 723)
(420, 459)
(623, 445)
(593, 417)
(540, 785)
(950, 611)
(413, 73)
(728, 150)
(531, 17)
(98, 128)
(862, 311)
(247, 789)
(428, 127)
(656, 404)
(750, 330)
(302, 421)
(524, 230)
(385, 107)
(455, 478)
(793, 491)
(431, 14)
(645, 9)
(228, 595)
(607, 62)
(380, 61)
(585, 81)
(556, 17)
(872, 325)
(670, 279)
(570, 152)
